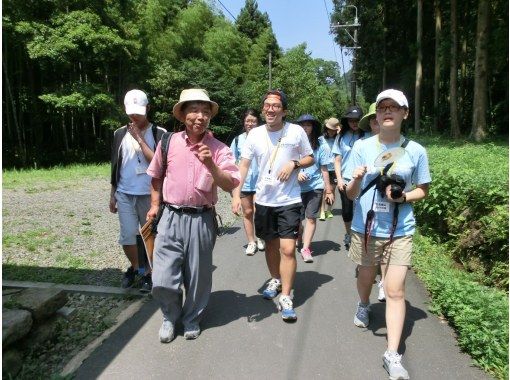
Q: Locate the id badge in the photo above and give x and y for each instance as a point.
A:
(141, 169)
(381, 207)
(269, 180)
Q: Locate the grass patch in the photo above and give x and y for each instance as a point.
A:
(57, 177)
(478, 313)
(32, 241)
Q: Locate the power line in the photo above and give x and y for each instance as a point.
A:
(334, 47)
(224, 7)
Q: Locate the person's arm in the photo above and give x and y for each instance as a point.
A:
(354, 187)
(113, 201)
(138, 136)
(156, 185)
(329, 195)
(288, 168)
(244, 166)
(338, 171)
(222, 178)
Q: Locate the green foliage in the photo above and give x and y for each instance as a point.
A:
(467, 206)
(479, 314)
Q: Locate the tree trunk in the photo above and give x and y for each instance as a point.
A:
(419, 58)
(455, 130)
(384, 73)
(479, 126)
(437, 66)
(64, 132)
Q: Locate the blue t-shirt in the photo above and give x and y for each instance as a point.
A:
(253, 173)
(315, 181)
(413, 167)
(330, 142)
(343, 146)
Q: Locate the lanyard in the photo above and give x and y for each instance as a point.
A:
(274, 153)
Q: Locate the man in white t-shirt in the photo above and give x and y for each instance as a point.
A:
(132, 150)
(280, 149)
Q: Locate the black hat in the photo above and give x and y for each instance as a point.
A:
(353, 112)
(309, 118)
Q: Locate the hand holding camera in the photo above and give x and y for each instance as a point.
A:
(396, 183)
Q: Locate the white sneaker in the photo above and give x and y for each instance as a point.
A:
(381, 296)
(251, 248)
(261, 244)
(362, 318)
(166, 332)
(392, 363)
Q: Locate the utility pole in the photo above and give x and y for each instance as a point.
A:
(354, 48)
(270, 68)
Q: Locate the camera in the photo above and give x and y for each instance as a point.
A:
(396, 182)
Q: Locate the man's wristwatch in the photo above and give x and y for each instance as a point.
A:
(297, 165)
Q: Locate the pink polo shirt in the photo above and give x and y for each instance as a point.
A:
(188, 181)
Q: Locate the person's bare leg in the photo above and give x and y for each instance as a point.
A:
(364, 282)
(309, 231)
(288, 264)
(394, 287)
(248, 209)
(273, 257)
(131, 252)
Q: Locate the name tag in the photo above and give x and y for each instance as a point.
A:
(269, 180)
(140, 169)
(381, 207)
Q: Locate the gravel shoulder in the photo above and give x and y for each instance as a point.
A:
(66, 234)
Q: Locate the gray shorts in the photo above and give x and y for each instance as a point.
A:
(132, 210)
(311, 204)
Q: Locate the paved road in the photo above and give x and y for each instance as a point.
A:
(244, 337)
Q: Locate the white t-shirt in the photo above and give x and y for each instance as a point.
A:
(133, 177)
(273, 150)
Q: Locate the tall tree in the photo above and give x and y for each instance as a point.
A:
(454, 120)
(479, 126)
(437, 65)
(419, 58)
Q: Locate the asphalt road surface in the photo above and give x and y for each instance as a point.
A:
(244, 337)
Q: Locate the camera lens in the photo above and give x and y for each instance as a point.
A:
(396, 191)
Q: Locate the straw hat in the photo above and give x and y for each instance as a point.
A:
(193, 95)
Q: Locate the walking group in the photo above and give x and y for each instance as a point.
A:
(283, 176)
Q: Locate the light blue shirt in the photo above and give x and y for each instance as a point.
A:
(330, 142)
(343, 147)
(250, 183)
(413, 167)
(348, 163)
(315, 181)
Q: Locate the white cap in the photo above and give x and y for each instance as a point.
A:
(136, 102)
(395, 95)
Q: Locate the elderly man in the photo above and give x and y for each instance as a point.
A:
(197, 164)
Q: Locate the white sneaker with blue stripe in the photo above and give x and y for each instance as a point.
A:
(287, 308)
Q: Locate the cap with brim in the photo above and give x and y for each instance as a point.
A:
(364, 123)
(135, 102)
(332, 123)
(193, 95)
(353, 112)
(396, 95)
(308, 118)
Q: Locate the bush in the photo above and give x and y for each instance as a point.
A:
(478, 313)
(467, 206)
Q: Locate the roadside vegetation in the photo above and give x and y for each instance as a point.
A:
(461, 253)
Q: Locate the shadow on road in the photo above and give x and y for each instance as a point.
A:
(377, 321)
(324, 246)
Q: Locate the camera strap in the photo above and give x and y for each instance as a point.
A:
(371, 213)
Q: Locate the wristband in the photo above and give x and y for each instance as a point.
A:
(405, 198)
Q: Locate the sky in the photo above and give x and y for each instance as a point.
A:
(295, 22)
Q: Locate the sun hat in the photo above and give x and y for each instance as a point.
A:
(332, 123)
(353, 112)
(364, 123)
(309, 118)
(279, 93)
(193, 95)
(396, 95)
(136, 102)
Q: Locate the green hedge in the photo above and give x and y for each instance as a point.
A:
(467, 206)
(478, 313)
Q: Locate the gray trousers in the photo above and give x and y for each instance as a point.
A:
(183, 256)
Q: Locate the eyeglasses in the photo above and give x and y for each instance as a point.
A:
(274, 106)
(392, 108)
